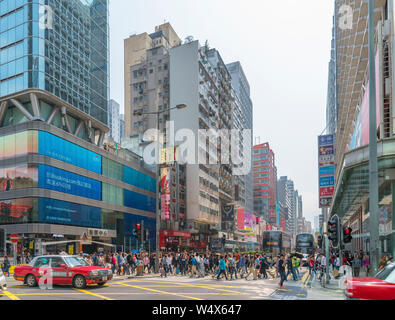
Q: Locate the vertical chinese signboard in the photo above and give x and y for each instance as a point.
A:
(165, 193)
(326, 170)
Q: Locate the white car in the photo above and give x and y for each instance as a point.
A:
(3, 283)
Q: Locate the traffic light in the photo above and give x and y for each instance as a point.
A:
(333, 231)
(137, 229)
(347, 237)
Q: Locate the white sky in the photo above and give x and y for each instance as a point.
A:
(284, 48)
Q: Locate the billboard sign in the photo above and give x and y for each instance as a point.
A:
(326, 169)
(327, 181)
(326, 150)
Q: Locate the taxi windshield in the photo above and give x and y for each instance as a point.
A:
(76, 262)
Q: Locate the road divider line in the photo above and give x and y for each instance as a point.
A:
(10, 295)
(164, 292)
(93, 294)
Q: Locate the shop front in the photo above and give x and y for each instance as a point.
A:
(171, 240)
(351, 201)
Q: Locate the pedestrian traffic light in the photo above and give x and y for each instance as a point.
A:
(347, 237)
(333, 231)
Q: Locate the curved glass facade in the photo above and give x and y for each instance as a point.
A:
(58, 46)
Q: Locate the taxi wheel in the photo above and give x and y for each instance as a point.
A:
(31, 280)
(100, 284)
(79, 282)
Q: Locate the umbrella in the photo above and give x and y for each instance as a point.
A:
(297, 255)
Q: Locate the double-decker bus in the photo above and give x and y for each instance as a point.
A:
(276, 242)
(305, 243)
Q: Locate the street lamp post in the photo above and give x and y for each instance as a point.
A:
(158, 113)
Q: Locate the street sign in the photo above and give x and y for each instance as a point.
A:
(14, 238)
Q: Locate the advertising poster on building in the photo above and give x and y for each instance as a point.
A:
(228, 218)
(240, 219)
(165, 180)
(165, 206)
(326, 170)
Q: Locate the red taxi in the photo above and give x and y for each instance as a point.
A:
(381, 287)
(64, 270)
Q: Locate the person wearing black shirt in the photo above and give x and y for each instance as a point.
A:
(281, 270)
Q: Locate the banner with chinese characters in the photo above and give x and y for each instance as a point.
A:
(326, 169)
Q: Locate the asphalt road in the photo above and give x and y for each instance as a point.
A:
(178, 288)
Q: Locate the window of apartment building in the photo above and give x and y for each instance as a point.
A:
(154, 51)
(160, 108)
(165, 66)
(165, 106)
(160, 68)
(160, 61)
(135, 74)
(151, 71)
(160, 81)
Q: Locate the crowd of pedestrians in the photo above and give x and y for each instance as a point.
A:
(229, 266)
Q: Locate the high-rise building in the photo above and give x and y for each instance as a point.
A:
(57, 175)
(200, 80)
(147, 84)
(114, 121)
(62, 48)
(265, 182)
(242, 88)
(285, 194)
(300, 207)
(331, 107)
(352, 140)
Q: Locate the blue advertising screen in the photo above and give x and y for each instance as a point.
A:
(139, 201)
(139, 179)
(67, 182)
(60, 149)
(61, 212)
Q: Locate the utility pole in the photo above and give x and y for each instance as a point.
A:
(373, 167)
(327, 258)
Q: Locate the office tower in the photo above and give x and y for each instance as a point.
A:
(67, 55)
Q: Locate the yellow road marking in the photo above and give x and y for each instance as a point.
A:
(93, 294)
(204, 286)
(10, 295)
(159, 291)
